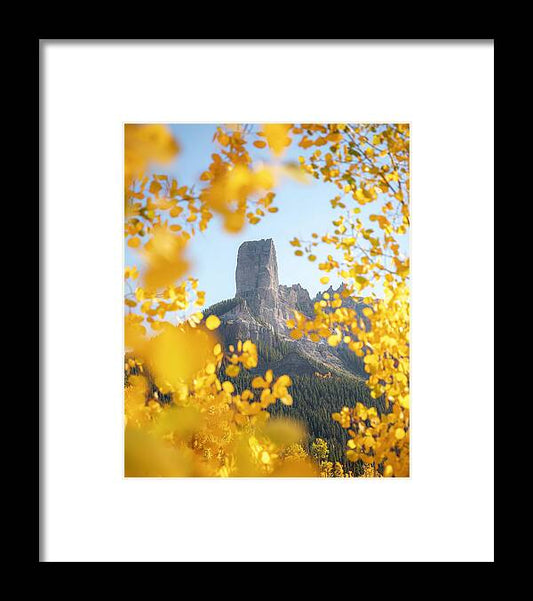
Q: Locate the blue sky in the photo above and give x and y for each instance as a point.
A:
(303, 209)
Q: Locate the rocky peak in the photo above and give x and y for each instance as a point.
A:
(257, 267)
(261, 308)
(296, 297)
(256, 279)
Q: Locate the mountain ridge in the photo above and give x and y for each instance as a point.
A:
(261, 307)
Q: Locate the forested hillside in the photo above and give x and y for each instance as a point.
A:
(316, 397)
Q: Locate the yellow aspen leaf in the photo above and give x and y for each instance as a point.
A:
(277, 137)
(267, 397)
(234, 222)
(284, 381)
(263, 179)
(228, 387)
(163, 254)
(175, 355)
(324, 280)
(247, 395)
(259, 143)
(259, 382)
(145, 144)
(131, 272)
(296, 334)
(399, 433)
(155, 187)
(249, 347)
(232, 371)
(212, 322)
(134, 242)
(333, 340)
(352, 455)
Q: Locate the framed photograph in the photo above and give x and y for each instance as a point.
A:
(255, 300)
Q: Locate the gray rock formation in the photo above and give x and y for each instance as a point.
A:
(296, 297)
(257, 268)
(256, 279)
(262, 306)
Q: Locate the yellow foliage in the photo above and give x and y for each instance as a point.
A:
(176, 355)
(212, 322)
(144, 145)
(209, 427)
(163, 255)
(277, 137)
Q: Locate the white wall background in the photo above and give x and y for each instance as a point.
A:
(444, 512)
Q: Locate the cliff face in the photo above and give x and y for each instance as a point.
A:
(256, 279)
(257, 268)
(261, 308)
